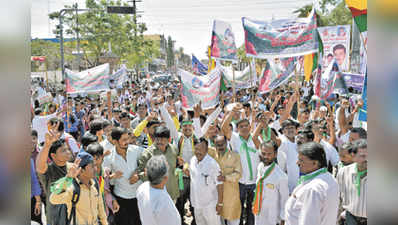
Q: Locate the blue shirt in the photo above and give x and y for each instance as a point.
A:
(73, 127)
(34, 182)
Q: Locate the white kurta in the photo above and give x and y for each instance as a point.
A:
(275, 194)
(156, 207)
(254, 157)
(331, 153)
(204, 195)
(292, 169)
(314, 202)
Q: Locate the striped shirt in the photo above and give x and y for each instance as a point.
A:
(350, 200)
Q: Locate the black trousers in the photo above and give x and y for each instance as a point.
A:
(246, 192)
(128, 213)
(181, 201)
(354, 220)
(33, 217)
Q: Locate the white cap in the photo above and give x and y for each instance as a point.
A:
(323, 108)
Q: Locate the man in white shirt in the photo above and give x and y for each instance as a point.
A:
(246, 147)
(123, 166)
(39, 123)
(289, 148)
(315, 199)
(206, 190)
(154, 203)
(271, 188)
(353, 182)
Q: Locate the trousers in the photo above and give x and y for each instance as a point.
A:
(246, 192)
(181, 201)
(128, 213)
(354, 220)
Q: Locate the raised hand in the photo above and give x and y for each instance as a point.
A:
(75, 169)
(53, 134)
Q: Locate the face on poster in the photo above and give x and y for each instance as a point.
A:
(336, 43)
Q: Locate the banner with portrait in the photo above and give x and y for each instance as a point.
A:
(336, 44)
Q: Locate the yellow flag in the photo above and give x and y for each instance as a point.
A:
(212, 62)
(308, 65)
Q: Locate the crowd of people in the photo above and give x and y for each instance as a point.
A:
(139, 157)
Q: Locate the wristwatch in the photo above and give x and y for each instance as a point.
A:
(220, 204)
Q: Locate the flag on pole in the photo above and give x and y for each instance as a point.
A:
(212, 62)
(363, 112)
(223, 41)
(276, 72)
(359, 11)
(198, 67)
(311, 61)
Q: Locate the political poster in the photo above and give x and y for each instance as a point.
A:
(280, 38)
(354, 80)
(326, 82)
(363, 112)
(276, 72)
(223, 41)
(92, 80)
(243, 79)
(195, 89)
(336, 45)
(198, 67)
(118, 78)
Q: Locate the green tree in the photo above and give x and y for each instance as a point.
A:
(97, 29)
(339, 15)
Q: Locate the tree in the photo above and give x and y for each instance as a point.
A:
(339, 15)
(98, 29)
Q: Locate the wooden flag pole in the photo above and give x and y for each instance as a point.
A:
(109, 103)
(233, 83)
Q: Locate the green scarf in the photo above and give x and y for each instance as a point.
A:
(61, 184)
(358, 179)
(179, 173)
(310, 176)
(244, 147)
(268, 138)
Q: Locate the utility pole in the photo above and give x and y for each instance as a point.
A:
(135, 32)
(77, 38)
(61, 35)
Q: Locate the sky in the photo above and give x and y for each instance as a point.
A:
(188, 22)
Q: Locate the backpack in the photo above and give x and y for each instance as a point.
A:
(75, 199)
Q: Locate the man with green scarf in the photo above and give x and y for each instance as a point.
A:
(246, 146)
(353, 183)
(272, 188)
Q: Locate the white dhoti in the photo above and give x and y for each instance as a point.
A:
(207, 216)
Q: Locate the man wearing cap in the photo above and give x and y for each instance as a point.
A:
(154, 203)
(90, 207)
